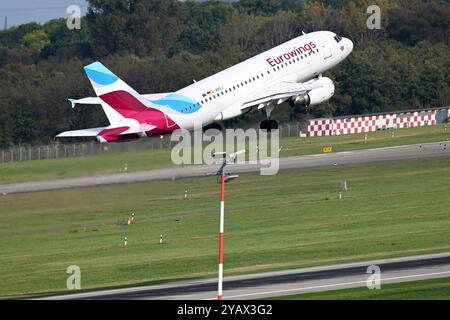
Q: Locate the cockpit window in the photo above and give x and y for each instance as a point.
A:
(338, 38)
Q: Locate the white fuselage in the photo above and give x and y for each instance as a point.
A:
(229, 89)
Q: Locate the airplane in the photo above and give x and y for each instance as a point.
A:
(291, 72)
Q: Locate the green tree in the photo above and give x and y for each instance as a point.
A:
(203, 24)
(137, 26)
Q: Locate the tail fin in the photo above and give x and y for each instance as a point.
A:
(104, 81)
(113, 91)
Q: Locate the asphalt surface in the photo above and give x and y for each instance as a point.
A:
(416, 151)
(264, 285)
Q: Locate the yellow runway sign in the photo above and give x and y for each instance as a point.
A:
(327, 149)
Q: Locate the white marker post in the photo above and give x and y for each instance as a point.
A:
(125, 241)
(222, 218)
(223, 179)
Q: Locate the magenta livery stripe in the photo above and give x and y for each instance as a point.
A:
(130, 107)
(125, 103)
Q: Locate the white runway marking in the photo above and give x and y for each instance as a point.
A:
(331, 285)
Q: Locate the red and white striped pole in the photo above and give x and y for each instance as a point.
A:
(222, 217)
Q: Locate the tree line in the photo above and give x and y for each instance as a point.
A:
(163, 45)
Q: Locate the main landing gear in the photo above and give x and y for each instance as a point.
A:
(269, 124)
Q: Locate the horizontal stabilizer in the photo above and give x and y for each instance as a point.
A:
(116, 130)
(92, 132)
(88, 100)
(112, 115)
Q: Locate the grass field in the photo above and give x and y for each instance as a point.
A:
(435, 289)
(290, 220)
(110, 162)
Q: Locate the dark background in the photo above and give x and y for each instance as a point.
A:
(162, 45)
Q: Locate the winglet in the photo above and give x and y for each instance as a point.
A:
(72, 102)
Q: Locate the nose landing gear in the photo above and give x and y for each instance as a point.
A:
(214, 126)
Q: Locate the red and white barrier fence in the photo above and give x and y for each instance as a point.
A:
(368, 123)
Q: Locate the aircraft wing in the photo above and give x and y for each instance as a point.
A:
(281, 92)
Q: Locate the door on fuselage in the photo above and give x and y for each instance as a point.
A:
(326, 51)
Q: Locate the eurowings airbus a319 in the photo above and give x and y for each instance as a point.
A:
(291, 72)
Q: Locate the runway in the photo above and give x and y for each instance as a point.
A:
(273, 284)
(416, 151)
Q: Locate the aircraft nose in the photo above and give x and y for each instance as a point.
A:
(349, 45)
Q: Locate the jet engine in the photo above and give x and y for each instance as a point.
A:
(323, 92)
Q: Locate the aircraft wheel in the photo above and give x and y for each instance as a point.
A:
(268, 125)
(273, 125)
(212, 128)
(264, 125)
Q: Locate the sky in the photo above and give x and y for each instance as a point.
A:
(24, 11)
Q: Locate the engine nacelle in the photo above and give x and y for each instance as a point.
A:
(318, 95)
(229, 113)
